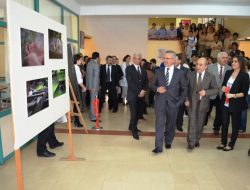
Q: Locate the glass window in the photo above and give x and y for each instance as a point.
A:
(50, 10)
(70, 21)
(74, 47)
(27, 3)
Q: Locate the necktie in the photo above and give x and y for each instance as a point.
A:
(220, 75)
(167, 77)
(199, 82)
(108, 75)
(138, 70)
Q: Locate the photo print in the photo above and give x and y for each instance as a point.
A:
(58, 82)
(55, 45)
(32, 48)
(37, 95)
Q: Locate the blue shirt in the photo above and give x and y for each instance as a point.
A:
(162, 33)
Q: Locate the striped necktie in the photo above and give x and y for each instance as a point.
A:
(167, 77)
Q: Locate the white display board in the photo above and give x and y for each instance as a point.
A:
(37, 50)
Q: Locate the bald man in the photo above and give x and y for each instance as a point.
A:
(201, 85)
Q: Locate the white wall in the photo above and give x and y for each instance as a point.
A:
(117, 35)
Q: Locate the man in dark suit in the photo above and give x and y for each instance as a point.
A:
(109, 81)
(137, 87)
(179, 119)
(47, 136)
(201, 85)
(170, 87)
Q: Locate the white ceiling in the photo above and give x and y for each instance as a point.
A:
(162, 2)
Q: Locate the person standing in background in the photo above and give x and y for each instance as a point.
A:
(152, 32)
(162, 33)
(179, 120)
(216, 47)
(137, 87)
(243, 125)
(92, 81)
(209, 40)
(109, 82)
(123, 81)
(201, 85)
(172, 32)
(191, 47)
(235, 89)
(218, 70)
(47, 136)
(82, 88)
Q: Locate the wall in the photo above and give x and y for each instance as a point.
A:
(119, 35)
(241, 26)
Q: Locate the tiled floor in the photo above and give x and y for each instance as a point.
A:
(121, 163)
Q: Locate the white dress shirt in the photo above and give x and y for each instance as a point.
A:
(78, 74)
(202, 76)
(110, 69)
(171, 72)
(219, 66)
(136, 67)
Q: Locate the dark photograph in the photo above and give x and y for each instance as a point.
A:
(55, 45)
(32, 47)
(58, 82)
(37, 95)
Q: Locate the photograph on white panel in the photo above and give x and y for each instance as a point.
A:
(32, 47)
(37, 95)
(58, 82)
(55, 45)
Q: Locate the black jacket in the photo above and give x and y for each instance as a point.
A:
(240, 85)
(114, 76)
(136, 82)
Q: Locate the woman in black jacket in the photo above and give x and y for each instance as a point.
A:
(235, 88)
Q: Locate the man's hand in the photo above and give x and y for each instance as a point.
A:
(187, 103)
(161, 89)
(202, 93)
(229, 95)
(142, 94)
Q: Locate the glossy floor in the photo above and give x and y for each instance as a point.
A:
(115, 162)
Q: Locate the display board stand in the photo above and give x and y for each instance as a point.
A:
(73, 103)
(19, 169)
(71, 156)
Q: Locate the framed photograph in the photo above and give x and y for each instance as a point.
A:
(37, 95)
(58, 82)
(55, 45)
(32, 48)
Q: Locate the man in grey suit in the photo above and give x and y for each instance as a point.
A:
(92, 81)
(170, 87)
(218, 70)
(201, 85)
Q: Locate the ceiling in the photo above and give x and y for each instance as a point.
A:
(162, 2)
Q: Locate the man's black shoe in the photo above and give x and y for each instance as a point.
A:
(58, 144)
(46, 154)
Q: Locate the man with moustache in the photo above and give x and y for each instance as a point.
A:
(201, 85)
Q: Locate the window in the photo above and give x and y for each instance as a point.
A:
(70, 21)
(50, 10)
(27, 3)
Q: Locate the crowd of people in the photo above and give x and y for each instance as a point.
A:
(173, 89)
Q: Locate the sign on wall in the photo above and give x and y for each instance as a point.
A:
(38, 71)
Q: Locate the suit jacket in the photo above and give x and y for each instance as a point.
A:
(185, 70)
(103, 76)
(136, 82)
(92, 75)
(208, 84)
(240, 85)
(176, 90)
(213, 69)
